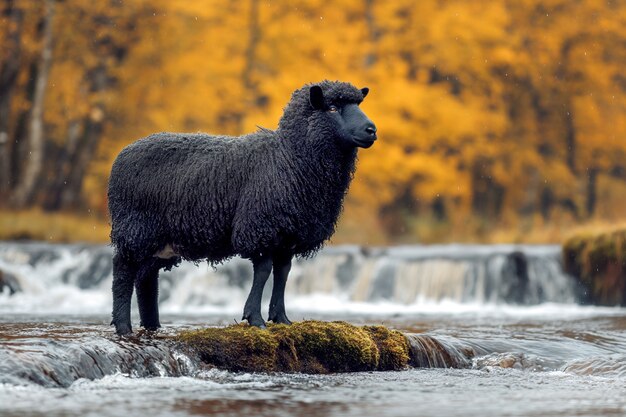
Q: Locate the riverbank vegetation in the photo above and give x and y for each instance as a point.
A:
(598, 260)
(89, 227)
(53, 227)
(498, 121)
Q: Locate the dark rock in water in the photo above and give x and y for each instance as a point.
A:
(347, 271)
(9, 282)
(384, 284)
(239, 273)
(598, 261)
(99, 268)
(515, 272)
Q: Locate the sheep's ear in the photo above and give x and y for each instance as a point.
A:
(365, 90)
(316, 97)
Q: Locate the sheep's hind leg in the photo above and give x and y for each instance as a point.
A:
(147, 287)
(124, 273)
(252, 309)
(282, 266)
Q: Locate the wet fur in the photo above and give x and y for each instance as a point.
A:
(213, 197)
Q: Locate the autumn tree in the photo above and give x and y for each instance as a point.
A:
(57, 78)
(500, 113)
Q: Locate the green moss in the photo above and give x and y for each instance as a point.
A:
(321, 347)
(309, 347)
(393, 347)
(236, 348)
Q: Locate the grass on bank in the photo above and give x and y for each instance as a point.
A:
(88, 227)
(53, 227)
(367, 231)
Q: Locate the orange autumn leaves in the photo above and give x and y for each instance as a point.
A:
(505, 111)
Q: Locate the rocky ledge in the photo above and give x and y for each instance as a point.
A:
(315, 347)
(598, 261)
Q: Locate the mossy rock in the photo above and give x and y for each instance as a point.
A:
(393, 347)
(310, 347)
(236, 348)
(598, 261)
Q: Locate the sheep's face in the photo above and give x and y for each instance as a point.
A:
(351, 127)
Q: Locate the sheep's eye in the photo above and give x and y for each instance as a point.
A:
(333, 109)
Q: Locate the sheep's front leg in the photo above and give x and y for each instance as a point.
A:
(282, 266)
(252, 310)
(123, 279)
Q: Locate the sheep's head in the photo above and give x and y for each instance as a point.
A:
(329, 111)
(351, 126)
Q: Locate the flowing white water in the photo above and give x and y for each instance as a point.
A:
(77, 279)
(506, 316)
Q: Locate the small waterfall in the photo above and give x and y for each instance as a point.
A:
(505, 274)
(77, 278)
(429, 352)
(68, 354)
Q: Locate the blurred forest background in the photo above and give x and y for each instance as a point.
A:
(498, 121)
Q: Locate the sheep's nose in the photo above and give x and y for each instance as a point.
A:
(371, 129)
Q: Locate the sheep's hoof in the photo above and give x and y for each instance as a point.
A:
(255, 320)
(280, 319)
(123, 329)
(153, 327)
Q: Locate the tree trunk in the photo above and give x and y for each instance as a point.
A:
(253, 40)
(84, 136)
(372, 33)
(570, 140)
(487, 195)
(52, 199)
(254, 37)
(80, 149)
(19, 146)
(592, 192)
(565, 75)
(9, 68)
(26, 187)
(94, 128)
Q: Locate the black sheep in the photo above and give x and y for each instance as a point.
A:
(266, 196)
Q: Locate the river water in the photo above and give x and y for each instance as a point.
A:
(516, 341)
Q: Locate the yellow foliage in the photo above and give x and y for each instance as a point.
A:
(490, 114)
(53, 227)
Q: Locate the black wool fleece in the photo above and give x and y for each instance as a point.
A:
(214, 197)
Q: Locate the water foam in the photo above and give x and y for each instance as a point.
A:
(449, 279)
